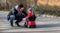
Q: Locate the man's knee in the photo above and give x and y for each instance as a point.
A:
(12, 17)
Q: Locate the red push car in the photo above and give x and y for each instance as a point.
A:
(30, 22)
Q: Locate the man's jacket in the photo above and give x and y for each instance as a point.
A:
(15, 13)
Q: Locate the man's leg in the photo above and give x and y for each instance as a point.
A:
(12, 17)
(17, 22)
(19, 19)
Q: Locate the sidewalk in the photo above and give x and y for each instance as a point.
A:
(43, 24)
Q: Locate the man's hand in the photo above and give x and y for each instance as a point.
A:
(24, 18)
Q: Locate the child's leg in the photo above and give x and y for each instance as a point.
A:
(32, 18)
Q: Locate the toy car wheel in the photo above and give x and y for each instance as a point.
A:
(28, 26)
(34, 26)
(25, 25)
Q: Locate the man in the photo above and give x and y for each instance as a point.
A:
(18, 14)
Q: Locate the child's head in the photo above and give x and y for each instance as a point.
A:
(30, 9)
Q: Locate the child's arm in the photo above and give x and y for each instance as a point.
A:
(28, 15)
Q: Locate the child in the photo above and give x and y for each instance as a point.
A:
(30, 15)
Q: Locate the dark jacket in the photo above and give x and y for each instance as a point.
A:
(15, 13)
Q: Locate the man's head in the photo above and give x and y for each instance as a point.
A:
(21, 7)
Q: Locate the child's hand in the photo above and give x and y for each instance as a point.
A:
(24, 18)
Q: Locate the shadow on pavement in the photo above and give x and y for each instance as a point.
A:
(48, 25)
(38, 26)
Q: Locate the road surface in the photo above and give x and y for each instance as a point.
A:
(44, 25)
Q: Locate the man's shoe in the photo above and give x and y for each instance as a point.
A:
(12, 26)
(17, 24)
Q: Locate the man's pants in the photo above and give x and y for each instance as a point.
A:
(12, 17)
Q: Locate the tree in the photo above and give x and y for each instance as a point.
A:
(35, 4)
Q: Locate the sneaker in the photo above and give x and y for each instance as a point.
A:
(17, 24)
(12, 26)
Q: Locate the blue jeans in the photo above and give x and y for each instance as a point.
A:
(12, 17)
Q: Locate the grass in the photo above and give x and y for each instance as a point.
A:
(49, 10)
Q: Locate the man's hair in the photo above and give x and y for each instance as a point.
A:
(21, 5)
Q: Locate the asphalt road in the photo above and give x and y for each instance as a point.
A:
(44, 25)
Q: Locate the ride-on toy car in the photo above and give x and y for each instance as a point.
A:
(30, 22)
